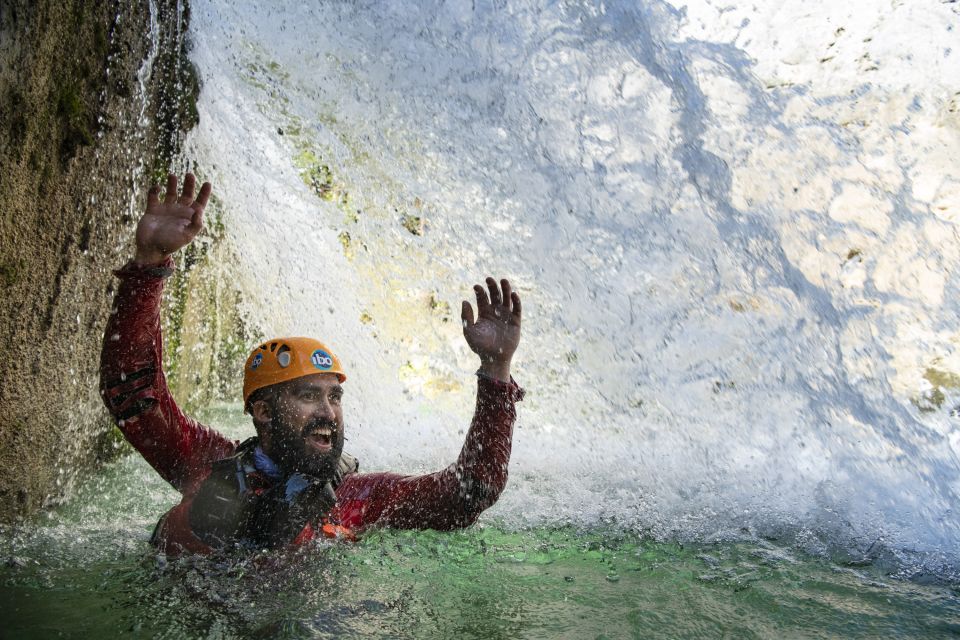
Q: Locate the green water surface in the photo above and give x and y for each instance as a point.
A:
(86, 570)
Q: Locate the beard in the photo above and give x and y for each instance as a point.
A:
(297, 451)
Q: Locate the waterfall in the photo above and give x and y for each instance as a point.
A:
(733, 230)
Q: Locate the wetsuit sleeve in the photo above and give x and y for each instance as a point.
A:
(134, 388)
(448, 499)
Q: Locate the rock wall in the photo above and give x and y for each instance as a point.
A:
(94, 101)
(206, 338)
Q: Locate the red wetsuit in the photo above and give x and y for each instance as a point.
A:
(182, 450)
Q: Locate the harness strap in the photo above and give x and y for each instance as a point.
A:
(239, 503)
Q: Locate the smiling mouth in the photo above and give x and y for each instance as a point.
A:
(320, 439)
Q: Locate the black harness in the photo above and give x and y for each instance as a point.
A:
(240, 505)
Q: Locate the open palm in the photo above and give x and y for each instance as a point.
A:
(173, 223)
(495, 333)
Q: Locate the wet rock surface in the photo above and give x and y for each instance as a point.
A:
(94, 101)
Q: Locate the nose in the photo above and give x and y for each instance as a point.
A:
(324, 410)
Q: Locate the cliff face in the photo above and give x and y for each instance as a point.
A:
(94, 101)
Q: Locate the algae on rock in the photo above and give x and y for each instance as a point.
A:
(95, 99)
(205, 338)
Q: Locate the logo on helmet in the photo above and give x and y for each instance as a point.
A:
(321, 359)
(257, 359)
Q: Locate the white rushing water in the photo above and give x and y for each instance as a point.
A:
(734, 229)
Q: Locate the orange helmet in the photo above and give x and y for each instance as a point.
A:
(283, 359)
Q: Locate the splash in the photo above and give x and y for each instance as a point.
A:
(733, 230)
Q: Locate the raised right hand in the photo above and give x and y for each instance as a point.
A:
(172, 224)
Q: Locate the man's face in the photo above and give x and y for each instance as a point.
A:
(305, 432)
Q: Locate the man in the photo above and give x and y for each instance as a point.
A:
(292, 482)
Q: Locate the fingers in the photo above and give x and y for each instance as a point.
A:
(466, 314)
(483, 303)
(505, 288)
(204, 195)
(186, 196)
(171, 196)
(196, 220)
(186, 199)
(189, 184)
(153, 196)
(511, 298)
(499, 302)
(495, 298)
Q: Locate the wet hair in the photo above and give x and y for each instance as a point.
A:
(268, 394)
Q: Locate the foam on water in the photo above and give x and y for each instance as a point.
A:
(737, 260)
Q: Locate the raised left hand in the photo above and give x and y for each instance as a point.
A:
(495, 333)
